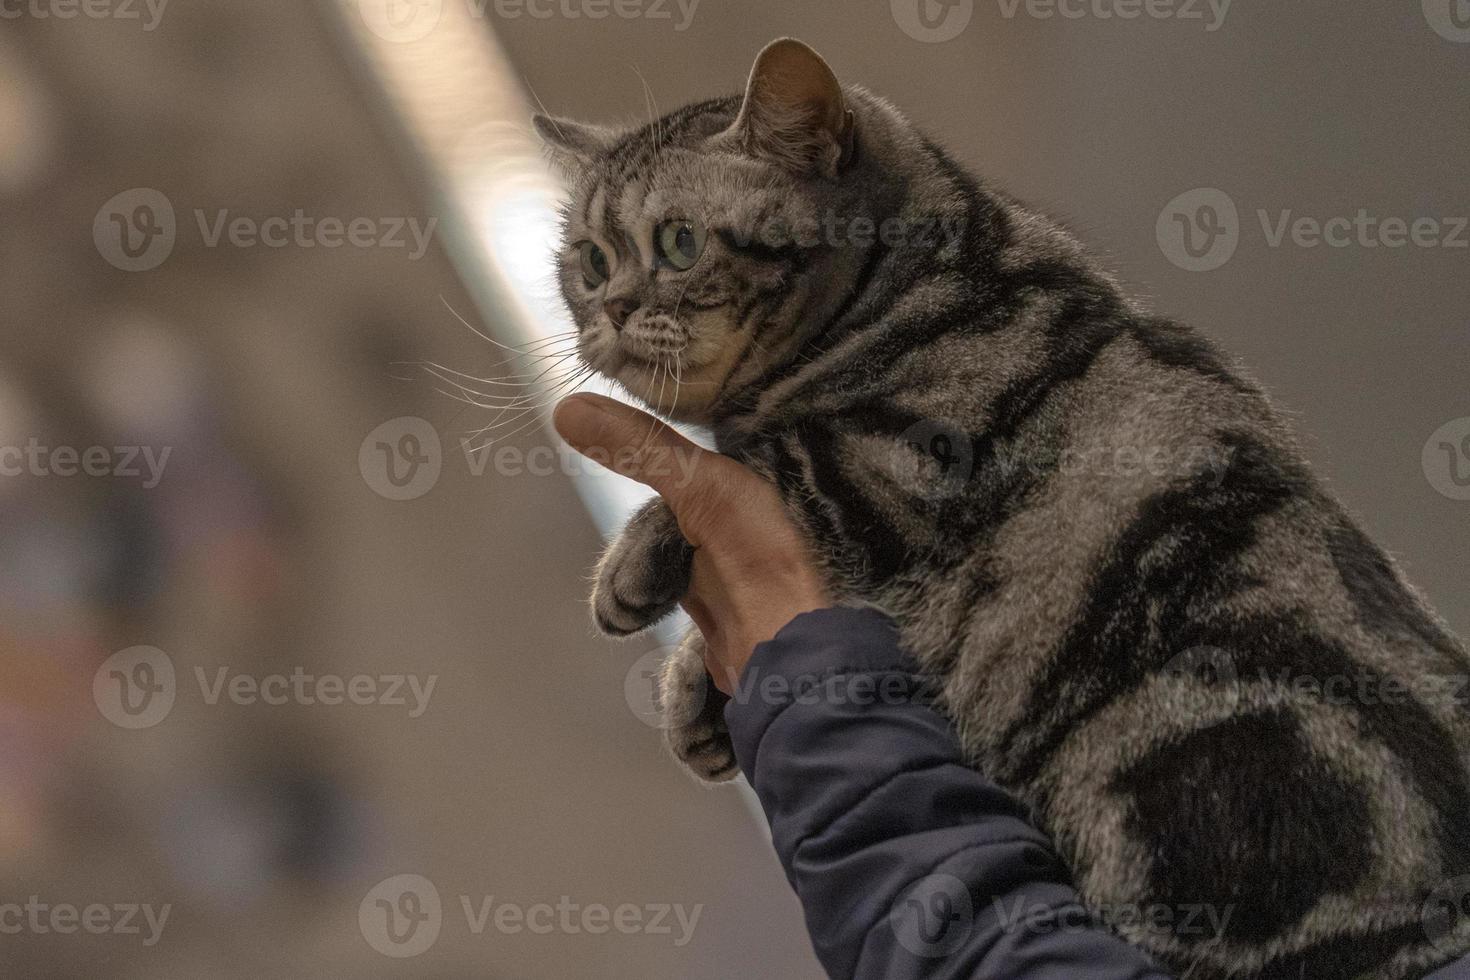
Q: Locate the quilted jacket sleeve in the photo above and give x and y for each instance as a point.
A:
(907, 862)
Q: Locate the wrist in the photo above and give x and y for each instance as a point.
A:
(769, 621)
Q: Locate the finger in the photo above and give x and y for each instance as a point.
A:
(636, 445)
(700, 615)
(719, 676)
(718, 671)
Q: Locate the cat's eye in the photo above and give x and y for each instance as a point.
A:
(594, 264)
(680, 243)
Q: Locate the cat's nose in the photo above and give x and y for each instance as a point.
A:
(618, 310)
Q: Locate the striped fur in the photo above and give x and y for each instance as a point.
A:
(1058, 496)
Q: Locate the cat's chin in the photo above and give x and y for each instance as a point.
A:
(687, 394)
(687, 398)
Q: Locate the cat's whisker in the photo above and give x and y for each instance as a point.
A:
(533, 370)
(658, 370)
(540, 415)
(539, 419)
(658, 405)
(553, 396)
(480, 333)
(530, 389)
(523, 380)
(550, 347)
(678, 383)
(504, 381)
(474, 398)
(532, 397)
(549, 351)
(655, 118)
(463, 399)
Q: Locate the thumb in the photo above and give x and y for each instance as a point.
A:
(638, 446)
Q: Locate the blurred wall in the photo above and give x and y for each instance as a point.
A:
(268, 547)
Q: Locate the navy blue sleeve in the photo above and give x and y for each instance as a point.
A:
(907, 862)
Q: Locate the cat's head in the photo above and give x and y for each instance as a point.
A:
(698, 248)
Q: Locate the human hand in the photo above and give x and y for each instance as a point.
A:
(752, 573)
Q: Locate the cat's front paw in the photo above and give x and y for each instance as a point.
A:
(643, 574)
(693, 715)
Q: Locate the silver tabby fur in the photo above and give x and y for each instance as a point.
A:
(1061, 498)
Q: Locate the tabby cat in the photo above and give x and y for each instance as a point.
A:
(1060, 498)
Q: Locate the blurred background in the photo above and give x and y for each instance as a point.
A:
(310, 688)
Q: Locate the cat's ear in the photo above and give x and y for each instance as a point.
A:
(794, 113)
(573, 143)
